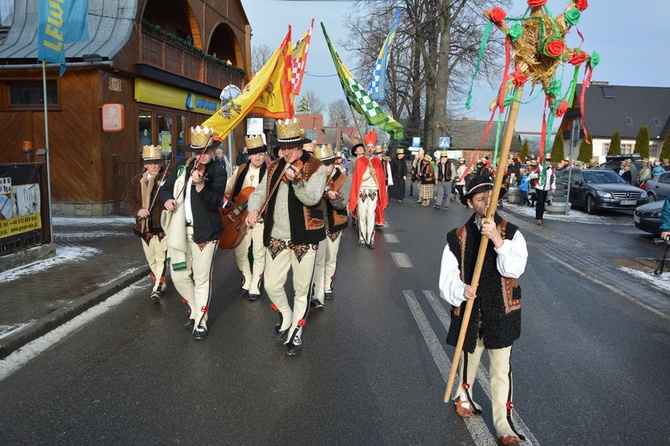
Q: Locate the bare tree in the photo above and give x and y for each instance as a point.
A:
(433, 57)
(316, 105)
(339, 108)
(260, 54)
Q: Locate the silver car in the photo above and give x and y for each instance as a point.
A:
(658, 188)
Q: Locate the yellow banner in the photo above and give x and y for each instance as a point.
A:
(265, 92)
(151, 92)
(19, 225)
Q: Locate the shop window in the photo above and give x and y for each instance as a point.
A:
(31, 94)
(145, 128)
(180, 154)
(165, 134)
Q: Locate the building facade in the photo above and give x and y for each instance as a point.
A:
(150, 71)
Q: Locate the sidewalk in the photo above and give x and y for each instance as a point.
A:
(95, 258)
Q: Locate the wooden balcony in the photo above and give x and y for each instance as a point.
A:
(172, 57)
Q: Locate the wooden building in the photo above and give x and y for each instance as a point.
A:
(150, 70)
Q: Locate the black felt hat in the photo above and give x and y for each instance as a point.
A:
(480, 183)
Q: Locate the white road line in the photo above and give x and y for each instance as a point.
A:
(478, 429)
(25, 354)
(401, 260)
(391, 238)
(444, 364)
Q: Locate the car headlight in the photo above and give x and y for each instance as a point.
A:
(656, 214)
(604, 194)
(643, 194)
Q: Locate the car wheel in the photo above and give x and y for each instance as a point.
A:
(652, 196)
(590, 205)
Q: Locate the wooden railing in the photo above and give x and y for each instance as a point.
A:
(161, 53)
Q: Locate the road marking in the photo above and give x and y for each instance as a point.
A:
(391, 238)
(25, 354)
(401, 260)
(478, 429)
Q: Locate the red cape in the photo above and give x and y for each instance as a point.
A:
(382, 200)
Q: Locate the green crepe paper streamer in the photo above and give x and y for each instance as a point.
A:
(482, 47)
(595, 59)
(515, 31)
(573, 87)
(572, 16)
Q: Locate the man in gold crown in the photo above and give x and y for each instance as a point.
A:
(240, 185)
(335, 199)
(368, 197)
(143, 204)
(192, 196)
(289, 200)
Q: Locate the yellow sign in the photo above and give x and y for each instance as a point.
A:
(18, 225)
(151, 92)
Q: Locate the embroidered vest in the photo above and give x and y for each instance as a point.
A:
(337, 218)
(306, 222)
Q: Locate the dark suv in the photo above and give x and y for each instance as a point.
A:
(613, 162)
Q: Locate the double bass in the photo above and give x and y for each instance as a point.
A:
(233, 217)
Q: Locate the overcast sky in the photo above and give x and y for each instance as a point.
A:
(627, 35)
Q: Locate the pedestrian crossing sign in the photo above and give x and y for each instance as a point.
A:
(445, 142)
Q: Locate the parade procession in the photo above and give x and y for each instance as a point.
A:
(235, 262)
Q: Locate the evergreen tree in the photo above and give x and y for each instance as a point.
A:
(525, 151)
(665, 151)
(585, 152)
(558, 150)
(642, 142)
(615, 144)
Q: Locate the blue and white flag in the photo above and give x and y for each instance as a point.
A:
(377, 89)
(60, 22)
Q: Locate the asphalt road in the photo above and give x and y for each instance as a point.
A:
(591, 366)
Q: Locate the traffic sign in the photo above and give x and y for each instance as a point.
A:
(445, 142)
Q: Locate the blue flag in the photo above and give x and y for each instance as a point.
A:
(60, 22)
(377, 88)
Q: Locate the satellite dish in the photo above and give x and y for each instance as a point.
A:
(229, 92)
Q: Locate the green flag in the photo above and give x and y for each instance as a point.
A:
(360, 100)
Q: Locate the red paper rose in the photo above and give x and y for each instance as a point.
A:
(519, 77)
(578, 58)
(562, 108)
(581, 4)
(537, 3)
(554, 47)
(498, 15)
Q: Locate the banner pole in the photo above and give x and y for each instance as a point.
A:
(47, 149)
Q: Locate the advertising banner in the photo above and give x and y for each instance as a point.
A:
(20, 202)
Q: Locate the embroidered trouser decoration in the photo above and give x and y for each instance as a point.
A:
(332, 249)
(277, 268)
(156, 254)
(251, 242)
(366, 206)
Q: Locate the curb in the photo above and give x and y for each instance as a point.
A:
(53, 320)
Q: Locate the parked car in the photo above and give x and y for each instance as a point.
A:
(596, 190)
(647, 217)
(614, 162)
(658, 187)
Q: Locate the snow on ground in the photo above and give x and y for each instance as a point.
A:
(63, 255)
(574, 215)
(661, 283)
(93, 221)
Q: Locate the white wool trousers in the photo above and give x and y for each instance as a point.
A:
(155, 252)
(325, 265)
(252, 274)
(365, 212)
(194, 282)
(276, 274)
(500, 371)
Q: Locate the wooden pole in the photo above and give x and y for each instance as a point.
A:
(497, 184)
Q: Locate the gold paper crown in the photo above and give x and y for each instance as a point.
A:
(324, 152)
(444, 154)
(151, 153)
(200, 136)
(288, 130)
(254, 141)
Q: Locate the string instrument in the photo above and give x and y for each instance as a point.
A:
(233, 217)
(298, 167)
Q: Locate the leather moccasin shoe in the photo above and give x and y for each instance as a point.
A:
(463, 412)
(281, 334)
(509, 439)
(329, 295)
(189, 324)
(200, 333)
(295, 347)
(244, 293)
(315, 303)
(253, 297)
